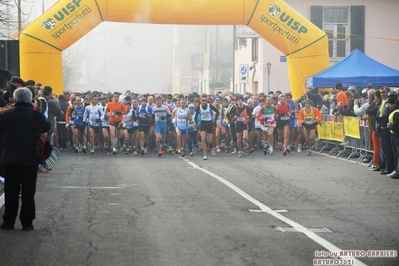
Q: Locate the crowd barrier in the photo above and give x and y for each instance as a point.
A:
(345, 136)
(54, 154)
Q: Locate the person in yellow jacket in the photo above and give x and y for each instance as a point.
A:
(393, 126)
(309, 117)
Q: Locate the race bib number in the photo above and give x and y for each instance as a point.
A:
(129, 123)
(240, 119)
(206, 115)
(308, 120)
(285, 118)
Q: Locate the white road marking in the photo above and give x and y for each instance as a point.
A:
(316, 238)
(87, 187)
(263, 211)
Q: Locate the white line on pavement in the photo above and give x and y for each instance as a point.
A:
(86, 187)
(316, 238)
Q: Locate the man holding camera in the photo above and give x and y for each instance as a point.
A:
(160, 114)
(116, 110)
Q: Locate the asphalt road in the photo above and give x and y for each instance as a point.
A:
(258, 210)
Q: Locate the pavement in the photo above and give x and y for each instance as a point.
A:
(257, 210)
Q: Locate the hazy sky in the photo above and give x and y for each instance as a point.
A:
(118, 56)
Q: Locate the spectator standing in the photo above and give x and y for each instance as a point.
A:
(20, 165)
(341, 96)
(62, 131)
(374, 142)
(15, 83)
(50, 109)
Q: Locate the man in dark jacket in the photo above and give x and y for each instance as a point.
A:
(393, 127)
(15, 83)
(313, 95)
(21, 126)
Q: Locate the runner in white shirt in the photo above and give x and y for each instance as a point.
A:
(93, 113)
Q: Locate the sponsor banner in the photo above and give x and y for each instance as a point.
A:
(351, 127)
(324, 130)
(337, 131)
(65, 21)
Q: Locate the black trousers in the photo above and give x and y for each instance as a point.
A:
(19, 179)
(387, 149)
(62, 132)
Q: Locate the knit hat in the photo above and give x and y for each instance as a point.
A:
(16, 79)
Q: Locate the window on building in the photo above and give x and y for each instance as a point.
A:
(344, 26)
(336, 25)
(255, 49)
(242, 42)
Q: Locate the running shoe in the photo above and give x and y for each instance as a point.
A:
(246, 145)
(84, 149)
(191, 154)
(240, 154)
(299, 148)
(145, 150)
(114, 151)
(285, 152)
(92, 151)
(159, 154)
(218, 149)
(308, 153)
(135, 153)
(288, 150)
(265, 152)
(234, 151)
(247, 152)
(182, 153)
(271, 151)
(127, 152)
(374, 168)
(205, 157)
(170, 149)
(76, 150)
(213, 153)
(142, 152)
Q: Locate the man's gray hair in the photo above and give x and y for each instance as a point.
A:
(371, 92)
(23, 95)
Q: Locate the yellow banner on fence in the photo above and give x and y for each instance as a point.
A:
(351, 127)
(337, 131)
(324, 130)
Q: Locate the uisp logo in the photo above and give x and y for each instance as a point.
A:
(49, 24)
(274, 10)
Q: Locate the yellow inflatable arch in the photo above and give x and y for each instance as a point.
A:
(42, 42)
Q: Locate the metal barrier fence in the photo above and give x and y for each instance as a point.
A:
(345, 136)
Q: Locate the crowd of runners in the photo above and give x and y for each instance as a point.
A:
(236, 124)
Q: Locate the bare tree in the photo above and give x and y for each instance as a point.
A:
(13, 17)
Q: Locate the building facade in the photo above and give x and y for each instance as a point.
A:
(363, 24)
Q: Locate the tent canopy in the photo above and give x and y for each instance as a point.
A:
(357, 69)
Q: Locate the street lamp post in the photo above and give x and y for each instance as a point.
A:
(269, 68)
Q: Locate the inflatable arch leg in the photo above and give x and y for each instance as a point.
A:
(42, 42)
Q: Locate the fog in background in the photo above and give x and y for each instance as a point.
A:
(114, 56)
(120, 56)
